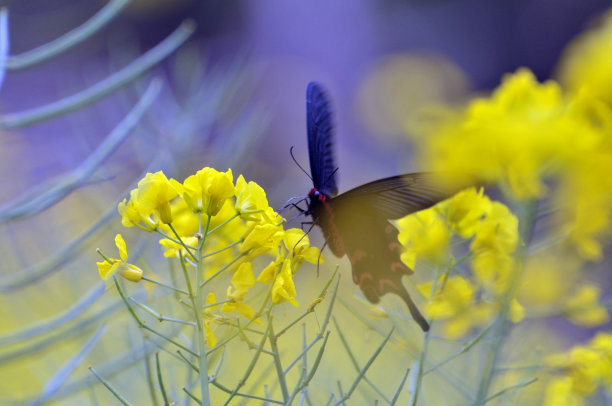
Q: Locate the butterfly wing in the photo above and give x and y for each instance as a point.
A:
(320, 140)
(372, 247)
(398, 196)
(357, 222)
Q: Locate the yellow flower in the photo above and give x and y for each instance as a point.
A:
(173, 248)
(586, 367)
(423, 235)
(242, 280)
(298, 245)
(155, 192)
(465, 210)
(587, 64)
(602, 343)
(584, 308)
(261, 238)
(497, 232)
(493, 244)
(210, 299)
(128, 271)
(283, 288)
(456, 306)
(267, 274)
(587, 200)
(211, 338)
(135, 214)
(250, 199)
(207, 190)
(517, 311)
(559, 392)
(516, 137)
(184, 221)
(242, 308)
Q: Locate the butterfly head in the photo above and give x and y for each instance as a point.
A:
(316, 195)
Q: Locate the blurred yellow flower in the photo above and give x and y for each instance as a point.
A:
(517, 311)
(493, 245)
(583, 369)
(526, 133)
(456, 306)
(209, 334)
(121, 266)
(586, 64)
(547, 277)
(584, 309)
(465, 210)
(423, 235)
(559, 392)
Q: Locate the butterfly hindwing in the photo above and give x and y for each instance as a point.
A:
(320, 140)
(374, 252)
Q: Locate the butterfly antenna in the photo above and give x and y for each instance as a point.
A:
(296, 162)
(332, 174)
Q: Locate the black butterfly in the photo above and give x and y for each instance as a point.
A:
(356, 223)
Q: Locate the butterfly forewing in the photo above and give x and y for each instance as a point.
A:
(320, 140)
(398, 196)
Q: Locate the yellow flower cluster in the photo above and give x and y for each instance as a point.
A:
(526, 134)
(209, 221)
(582, 371)
(493, 231)
(586, 65)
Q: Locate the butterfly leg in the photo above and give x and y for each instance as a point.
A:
(309, 223)
(289, 203)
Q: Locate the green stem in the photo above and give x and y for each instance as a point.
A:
(527, 212)
(144, 278)
(277, 362)
(110, 388)
(197, 310)
(222, 224)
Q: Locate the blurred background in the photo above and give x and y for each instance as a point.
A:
(146, 91)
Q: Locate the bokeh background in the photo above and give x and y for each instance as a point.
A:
(231, 95)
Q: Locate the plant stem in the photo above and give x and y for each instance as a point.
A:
(527, 212)
(197, 311)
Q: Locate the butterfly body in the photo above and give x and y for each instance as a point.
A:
(324, 217)
(356, 223)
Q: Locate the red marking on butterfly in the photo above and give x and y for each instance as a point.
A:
(394, 245)
(357, 222)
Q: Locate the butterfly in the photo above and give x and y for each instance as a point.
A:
(356, 223)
